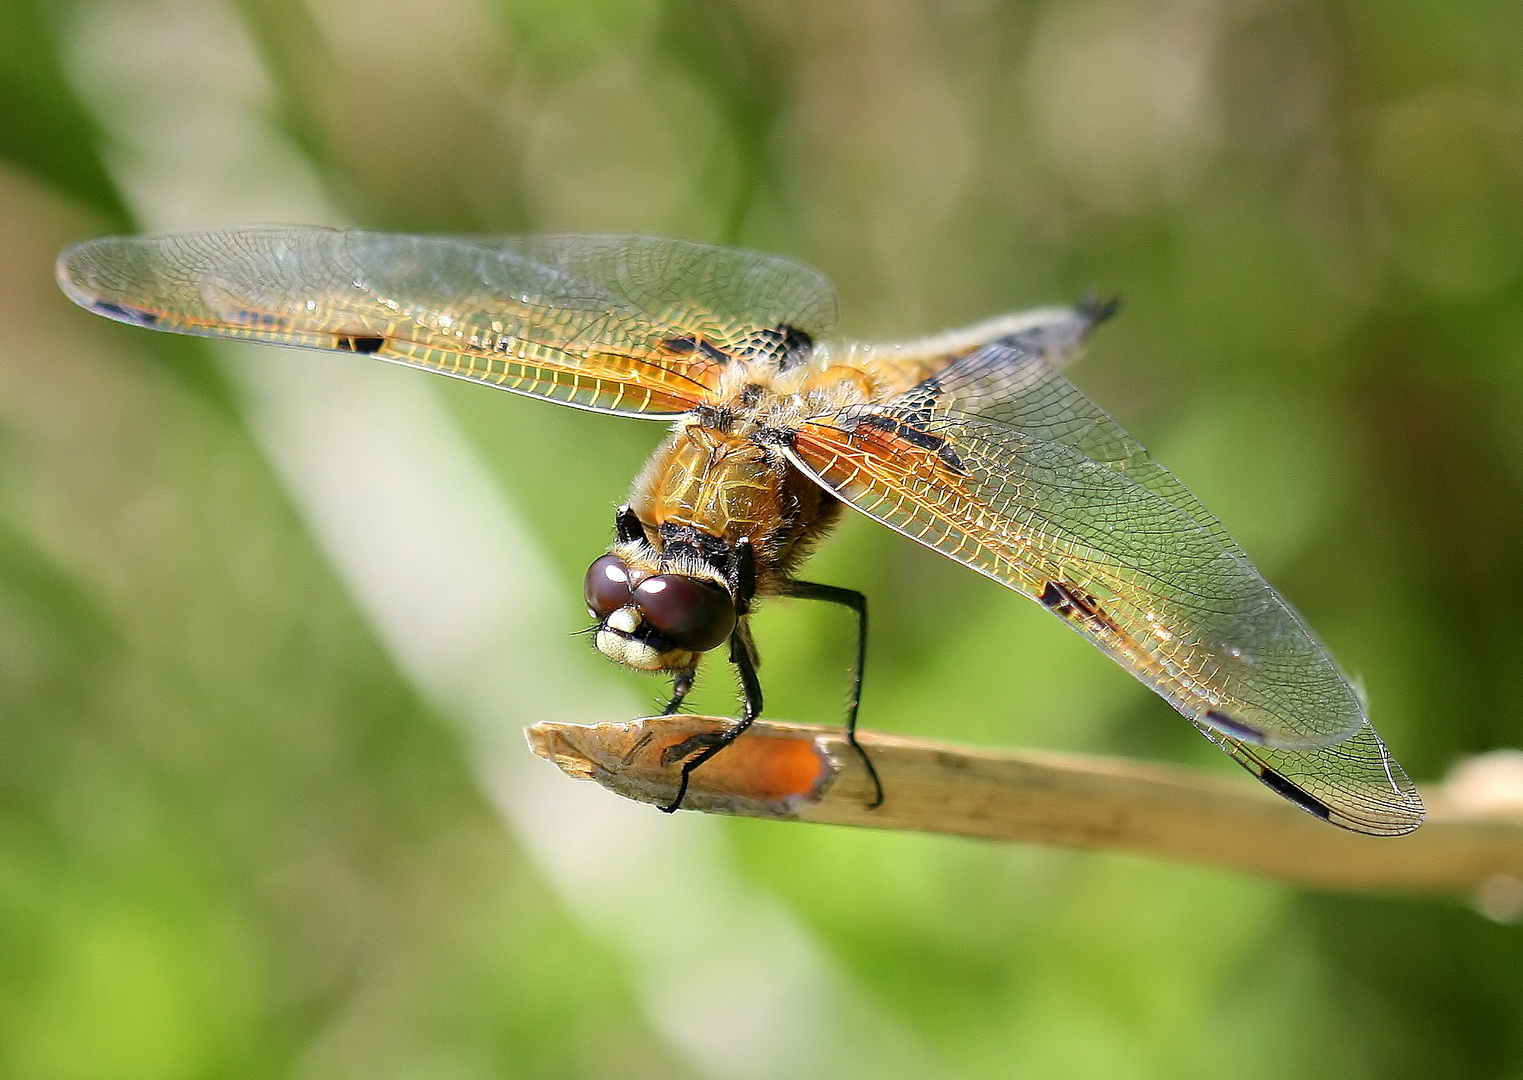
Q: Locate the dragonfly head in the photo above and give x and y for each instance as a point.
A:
(656, 614)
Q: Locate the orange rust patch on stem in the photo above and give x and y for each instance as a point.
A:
(767, 773)
(768, 767)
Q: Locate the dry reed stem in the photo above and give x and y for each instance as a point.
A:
(1471, 844)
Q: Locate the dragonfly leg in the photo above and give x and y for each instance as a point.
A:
(742, 575)
(626, 525)
(742, 655)
(682, 685)
(834, 594)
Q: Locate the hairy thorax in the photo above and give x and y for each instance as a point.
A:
(723, 476)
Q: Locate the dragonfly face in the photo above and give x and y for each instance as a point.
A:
(654, 620)
(971, 443)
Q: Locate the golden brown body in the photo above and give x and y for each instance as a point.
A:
(713, 476)
(722, 485)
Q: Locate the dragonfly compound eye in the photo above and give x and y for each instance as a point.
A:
(689, 613)
(606, 586)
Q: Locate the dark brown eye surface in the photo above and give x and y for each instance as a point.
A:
(689, 613)
(606, 586)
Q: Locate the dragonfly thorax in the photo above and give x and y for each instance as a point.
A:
(707, 489)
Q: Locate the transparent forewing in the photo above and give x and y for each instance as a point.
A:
(1000, 463)
(741, 302)
(1355, 784)
(630, 325)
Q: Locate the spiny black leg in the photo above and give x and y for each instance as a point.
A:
(742, 575)
(744, 659)
(626, 525)
(833, 594)
(740, 656)
(682, 685)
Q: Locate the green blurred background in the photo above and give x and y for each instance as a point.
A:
(237, 840)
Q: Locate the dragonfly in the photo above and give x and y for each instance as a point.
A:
(971, 442)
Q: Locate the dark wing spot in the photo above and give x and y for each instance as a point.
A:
(784, 346)
(950, 459)
(1077, 605)
(1055, 596)
(687, 346)
(1277, 783)
(794, 347)
(919, 405)
(125, 314)
(795, 339)
(365, 345)
(895, 425)
(1235, 728)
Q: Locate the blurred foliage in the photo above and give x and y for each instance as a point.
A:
(232, 841)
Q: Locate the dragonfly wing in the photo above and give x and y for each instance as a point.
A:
(1355, 784)
(627, 325)
(999, 462)
(1002, 464)
(900, 366)
(744, 303)
(1013, 381)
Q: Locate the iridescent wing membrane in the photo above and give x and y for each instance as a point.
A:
(619, 324)
(1003, 465)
